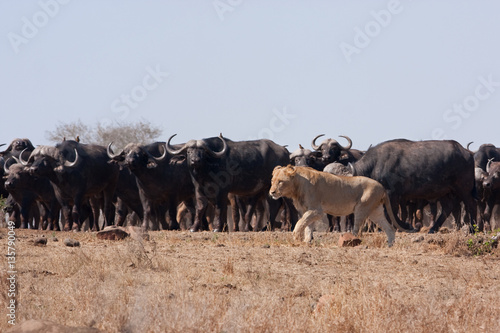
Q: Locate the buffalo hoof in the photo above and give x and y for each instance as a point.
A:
(432, 231)
(193, 230)
(216, 230)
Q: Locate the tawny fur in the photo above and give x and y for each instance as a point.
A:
(315, 193)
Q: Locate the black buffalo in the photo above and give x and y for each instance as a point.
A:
(219, 166)
(29, 192)
(163, 181)
(488, 197)
(81, 173)
(423, 170)
(18, 147)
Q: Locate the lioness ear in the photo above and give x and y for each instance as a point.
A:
(290, 170)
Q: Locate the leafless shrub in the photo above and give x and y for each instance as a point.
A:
(142, 132)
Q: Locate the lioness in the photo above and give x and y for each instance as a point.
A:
(315, 193)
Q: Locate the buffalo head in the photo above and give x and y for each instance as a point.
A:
(16, 174)
(47, 159)
(304, 157)
(196, 151)
(492, 180)
(135, 156)
(18, 147)
(331, 151)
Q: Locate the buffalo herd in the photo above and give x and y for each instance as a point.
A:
(78, 186)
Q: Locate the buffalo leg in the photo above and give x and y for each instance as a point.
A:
(220, 218)
(395, 207)
(201, 207)
(446, 209)
(172, 211)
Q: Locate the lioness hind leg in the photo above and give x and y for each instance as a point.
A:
(378, 216)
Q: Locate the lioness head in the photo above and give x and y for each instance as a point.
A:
(282, 182)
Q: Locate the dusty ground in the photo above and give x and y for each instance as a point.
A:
(256, 282)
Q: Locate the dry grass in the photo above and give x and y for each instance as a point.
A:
(257, 282)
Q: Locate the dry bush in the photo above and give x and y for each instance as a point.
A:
(258, 282)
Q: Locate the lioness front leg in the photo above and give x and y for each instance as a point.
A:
(306, 220)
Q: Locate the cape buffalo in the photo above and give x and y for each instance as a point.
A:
(423, 170)
(80, 172)
(163, 181)
(219, 166)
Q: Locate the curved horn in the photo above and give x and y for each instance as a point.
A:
(162, 157)
(110, 152)
(468, 145)
(214, 153)
(23, 162)
(348, 139)
(5, 167)
(313, 144)
(171, 149)
(488, 165)
(6, 164)
(72, 164)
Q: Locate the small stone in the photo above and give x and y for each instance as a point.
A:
(71, 242)
(54, 239)
(40, 241)
(113, 233)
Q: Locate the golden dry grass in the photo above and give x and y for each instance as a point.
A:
(257, 282)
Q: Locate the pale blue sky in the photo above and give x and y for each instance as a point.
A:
(286, 70)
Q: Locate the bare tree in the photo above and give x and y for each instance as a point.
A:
(142, 132)
(71, 131)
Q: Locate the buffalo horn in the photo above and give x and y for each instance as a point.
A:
(488, 165)
(214, 153)
(348, 140)
(23, 162)
(110, 152)
(313, 144)
(5, 167)
(171, 149)
(162, 157)
(72, 164)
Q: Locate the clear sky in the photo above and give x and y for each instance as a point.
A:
(286, 70)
